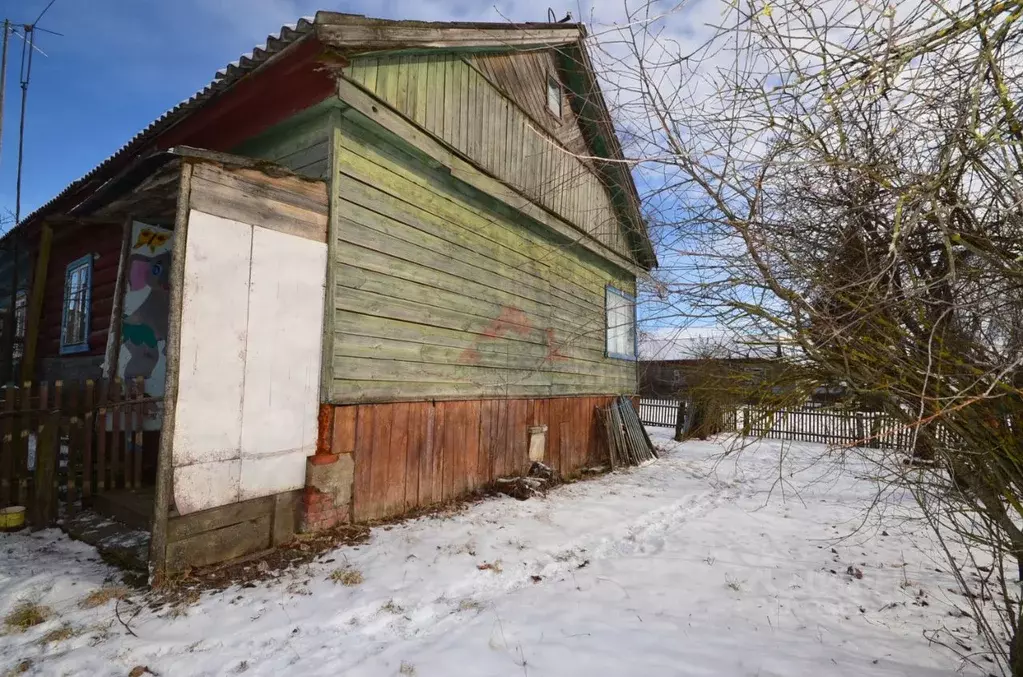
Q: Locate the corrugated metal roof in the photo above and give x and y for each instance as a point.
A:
(224, 78)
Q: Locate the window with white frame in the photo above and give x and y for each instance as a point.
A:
(74, 327)
(554, 95)
(620, 313)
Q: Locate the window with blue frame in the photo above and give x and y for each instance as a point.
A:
(620, 314)
(74, 326)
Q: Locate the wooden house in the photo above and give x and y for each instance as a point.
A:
(397, 259)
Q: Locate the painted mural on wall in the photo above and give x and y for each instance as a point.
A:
(145, 312)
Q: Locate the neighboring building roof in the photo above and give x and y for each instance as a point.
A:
(669, 344)
(359, 33)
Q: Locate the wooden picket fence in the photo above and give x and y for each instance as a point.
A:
(660, 413)
(872, 429)
(69, 441)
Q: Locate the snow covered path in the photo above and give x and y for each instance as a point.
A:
(689, 566)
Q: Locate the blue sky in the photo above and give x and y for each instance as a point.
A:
(122, 63)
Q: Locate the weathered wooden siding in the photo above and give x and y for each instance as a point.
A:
(301, 143)
(228, 532)
(415, 454)
(444, 293)
(454, 99)
(522, 76)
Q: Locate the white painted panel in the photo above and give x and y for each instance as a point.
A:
(282, 360)
(214, 310)
(206, 485)
(271, 474)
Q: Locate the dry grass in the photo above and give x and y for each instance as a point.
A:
(61, 634)
(407, 669)
(26, 615)
(103, 595)
(19, 668)
(346, 576)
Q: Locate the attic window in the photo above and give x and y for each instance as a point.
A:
(554, 95)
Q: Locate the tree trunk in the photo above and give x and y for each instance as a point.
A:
(1016, 651)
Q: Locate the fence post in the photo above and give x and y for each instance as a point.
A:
(140, 414)
(88, 431)
(680, 419)
(117, 466)
(73, 447)
(7, 450)
(47, 440)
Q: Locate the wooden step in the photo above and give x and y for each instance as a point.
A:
(131, 507)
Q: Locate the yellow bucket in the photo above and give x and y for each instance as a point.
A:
(12, 518)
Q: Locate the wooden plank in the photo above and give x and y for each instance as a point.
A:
(379, 444)
(140, 393)
(416, 447)
(72, 428)
(475, 471)
(344, 430)
(487, 429)
(335, 184)
(165, 466)
(88, 434)
(181, 527)
(428, 493)
(229, 203)
(25, 425)
(384, 37)
(102, 478)
(113, 345)
(418, 78)
(435, 80)
(362, 484)
(516, 435)
(287, 514)
(220, 545)
(397, 459)
(117, 465)
(44, 507)
(372, 391)
(7, 446)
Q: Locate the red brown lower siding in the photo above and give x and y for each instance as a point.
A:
(414, 454)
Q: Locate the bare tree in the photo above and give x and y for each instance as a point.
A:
(847, 176)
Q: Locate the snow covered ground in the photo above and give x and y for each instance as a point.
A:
(690, 566)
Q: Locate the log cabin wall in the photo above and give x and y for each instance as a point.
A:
(103, 242)
(410, 455)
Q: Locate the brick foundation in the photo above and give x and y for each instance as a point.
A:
(320, 513)
(327, 499)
